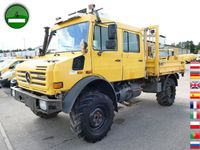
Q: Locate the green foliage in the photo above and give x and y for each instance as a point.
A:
(189, 45)
(198, 46)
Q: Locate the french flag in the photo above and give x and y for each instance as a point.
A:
(194, 144)
(194, 65)
(194, 125)
(194, 105)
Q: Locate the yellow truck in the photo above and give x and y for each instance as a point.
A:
(88, 65)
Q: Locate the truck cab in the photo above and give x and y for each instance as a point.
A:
(90, 64)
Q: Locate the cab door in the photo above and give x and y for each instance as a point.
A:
(106, 62)
(133, 56)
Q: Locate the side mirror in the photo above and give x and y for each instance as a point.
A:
(84, 46)
(112, 31)
(110, 44)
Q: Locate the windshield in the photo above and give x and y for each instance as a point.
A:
(69, 38)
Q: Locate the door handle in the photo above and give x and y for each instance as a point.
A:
(117, 60)
(140, 60)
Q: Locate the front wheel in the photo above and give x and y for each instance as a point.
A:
(92, 116)
(167, 96)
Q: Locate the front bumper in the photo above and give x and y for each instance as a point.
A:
(33, 101)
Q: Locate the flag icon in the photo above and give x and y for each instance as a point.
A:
(194, 125)
(194, 105)
(195, 135)
(195, 74)
(195, 65)
(195, 115)
(195, 85)
(194, 95)
(194, 144)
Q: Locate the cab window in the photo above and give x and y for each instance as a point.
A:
(131, 42)
(100, 38)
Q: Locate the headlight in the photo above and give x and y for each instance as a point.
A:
(43, 105)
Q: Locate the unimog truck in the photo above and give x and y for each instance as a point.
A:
(88, 65)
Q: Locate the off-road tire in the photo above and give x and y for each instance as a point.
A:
(45, 116)
(92, 116)
(167, 96)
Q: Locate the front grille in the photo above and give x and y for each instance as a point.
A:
(38, 77)
(42, 68)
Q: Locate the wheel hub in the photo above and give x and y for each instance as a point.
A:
(97, 118)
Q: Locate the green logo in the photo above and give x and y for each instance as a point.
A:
(16, 16)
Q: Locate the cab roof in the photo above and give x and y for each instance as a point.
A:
(91, 17)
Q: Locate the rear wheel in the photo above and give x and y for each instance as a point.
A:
(167, 96)
(46, 116)
(92, 116)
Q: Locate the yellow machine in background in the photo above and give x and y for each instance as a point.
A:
(7, 70)
(187, 57)
(88, 65)
(9, 64)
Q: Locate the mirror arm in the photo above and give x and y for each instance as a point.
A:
(100, 53)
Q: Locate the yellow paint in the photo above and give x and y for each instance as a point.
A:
(112, 65)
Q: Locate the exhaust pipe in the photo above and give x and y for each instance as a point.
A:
(43, 50)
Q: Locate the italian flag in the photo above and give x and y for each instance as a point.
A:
(195, 65)
(194, 144)
(194, 125)
(194, 95)
(195, 135)
(195, 115)
(194, 105)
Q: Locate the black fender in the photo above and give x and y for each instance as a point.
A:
(75, 91)
(175, 77)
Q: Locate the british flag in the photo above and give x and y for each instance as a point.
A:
(195, 84)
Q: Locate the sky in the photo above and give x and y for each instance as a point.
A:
(178, 19)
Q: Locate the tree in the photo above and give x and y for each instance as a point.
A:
(187, 45)
(197, 47)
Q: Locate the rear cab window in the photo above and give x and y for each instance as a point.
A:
(131, 42)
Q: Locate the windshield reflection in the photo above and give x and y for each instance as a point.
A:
(69, 38)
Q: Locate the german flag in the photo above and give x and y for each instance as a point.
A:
(195, 74)
(194, 95)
